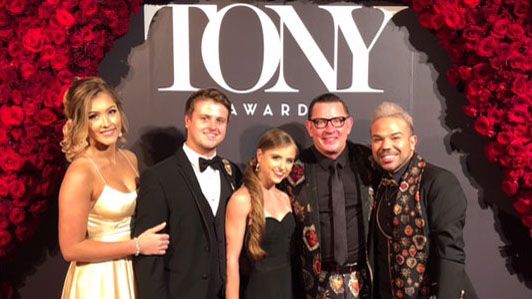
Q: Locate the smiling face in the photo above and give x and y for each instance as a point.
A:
(329, 141)
(206, 126)
(392, 143)
(105, 122)
(275, 164)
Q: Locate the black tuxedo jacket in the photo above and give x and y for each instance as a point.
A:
(169, 191)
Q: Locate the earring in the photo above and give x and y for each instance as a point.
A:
(257, 167)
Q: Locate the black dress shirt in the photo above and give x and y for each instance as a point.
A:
(355, 243)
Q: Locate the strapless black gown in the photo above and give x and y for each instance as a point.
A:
(271, 278)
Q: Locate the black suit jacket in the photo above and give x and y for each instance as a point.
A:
(169, 191)
(445, 204)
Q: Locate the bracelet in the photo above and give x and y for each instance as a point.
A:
(137, 246)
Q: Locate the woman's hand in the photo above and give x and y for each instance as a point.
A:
(152, 243)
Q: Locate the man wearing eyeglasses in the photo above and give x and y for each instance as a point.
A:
(332, 186)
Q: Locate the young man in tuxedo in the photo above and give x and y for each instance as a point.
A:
(189, 192)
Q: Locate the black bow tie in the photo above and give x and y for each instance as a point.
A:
(215, 163)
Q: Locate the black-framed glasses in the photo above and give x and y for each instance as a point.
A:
(321, 123)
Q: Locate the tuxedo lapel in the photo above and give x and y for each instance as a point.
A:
(189, 177)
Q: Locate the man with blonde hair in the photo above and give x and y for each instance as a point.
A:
(417, 247)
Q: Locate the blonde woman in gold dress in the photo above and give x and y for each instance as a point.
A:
(98, 195)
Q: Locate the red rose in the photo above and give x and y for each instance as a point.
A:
(4, 223)
(16, 134)
(47, 52)
(27, 70)
(465, 72)
(33, 131)
(516, 31)
(88, 7)
(45, 12)
(30, 107)
(500, 28)
(10, 160)
(65, 76)
(519, 114)
(45, 117)
(57, 35)
(516, 146)
(505, 137)
(429, 21)
(80, 59)
(521, 85)
(59, 61)
(517, 171)
(94, 50)
(505, 160)
(453, 19)
(486, 47)
(520, 62)
(6, 34)
(485, 126)
(11, 115)
(64, 18)
(52, 100)
(17, 189)
(473, 33)
(17, 97)
(471, 3)
(470, 111)
(16, 7)
(33, 40)
(510, 186)
(5, 237)
(17, 216)
(522, 9)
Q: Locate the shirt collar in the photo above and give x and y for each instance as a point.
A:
(326, 163)
(399, 174)
(193, 156)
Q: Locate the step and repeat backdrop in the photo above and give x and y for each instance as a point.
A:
(271, 59)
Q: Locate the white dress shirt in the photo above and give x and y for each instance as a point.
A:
(209, 179)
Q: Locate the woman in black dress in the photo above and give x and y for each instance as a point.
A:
(259, 220)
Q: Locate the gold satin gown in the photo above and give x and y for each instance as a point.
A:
(109, 221)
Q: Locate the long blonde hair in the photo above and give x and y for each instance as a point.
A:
(77, 102)
(273, 138)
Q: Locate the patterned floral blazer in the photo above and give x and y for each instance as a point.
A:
(302, 184)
